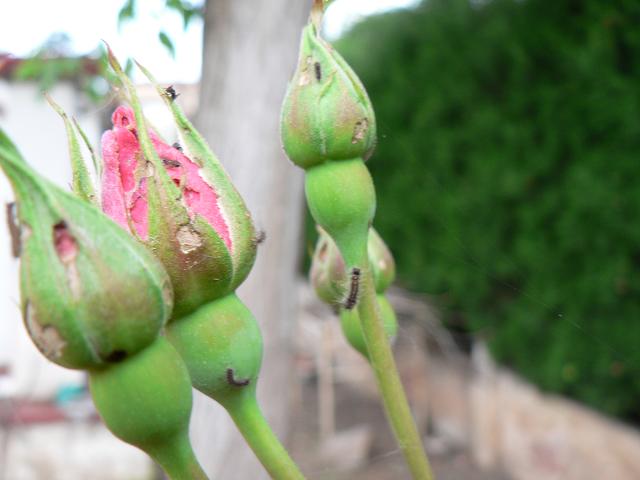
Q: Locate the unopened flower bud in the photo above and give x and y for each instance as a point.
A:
(90, 294)
(329, 276)
(326, 114)
(179, 201)
(352, 328)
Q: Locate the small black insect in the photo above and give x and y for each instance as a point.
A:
(260, 237)
(171, 92)
(171, 163)
(352, 299)
(236, 383)
(318, 70)
(14, 228)
(177, 146)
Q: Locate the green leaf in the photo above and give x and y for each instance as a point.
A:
(167, 42)
(127, 12)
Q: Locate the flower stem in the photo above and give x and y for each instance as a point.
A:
(254, 428)
(388, 379)
(178, 460)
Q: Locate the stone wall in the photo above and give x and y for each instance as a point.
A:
(511, 425)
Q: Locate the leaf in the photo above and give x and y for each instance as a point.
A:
(167, 42)
(127, 12)
(185, 9)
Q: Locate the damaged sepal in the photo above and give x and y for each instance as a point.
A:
(326, 114)
(90, 294)
(81, 183)
(174, 204)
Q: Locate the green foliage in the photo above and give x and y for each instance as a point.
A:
(184, 8)
(508, 177)
(53, 62)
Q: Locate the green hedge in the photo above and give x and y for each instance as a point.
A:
(508, 173)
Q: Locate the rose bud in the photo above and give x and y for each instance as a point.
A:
(329, 275)
(334, 286)
(90, 294)
(178, 201)
(352, 329)
(326, 114)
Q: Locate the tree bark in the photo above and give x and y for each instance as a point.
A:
(250, 49)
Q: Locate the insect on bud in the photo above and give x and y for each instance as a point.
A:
(332, 282)
(222, 345)
(337, 287)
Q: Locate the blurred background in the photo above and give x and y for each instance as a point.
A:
(508, 191)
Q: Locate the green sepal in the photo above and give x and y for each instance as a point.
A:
(8, 148)
(236, 214)
(352, 328)
(81, 183)
(95, 159)
(381, 262)
(328, 272)
(101, 300)
(326, 113)
(221, 345)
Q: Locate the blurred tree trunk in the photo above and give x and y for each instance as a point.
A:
(250, 50)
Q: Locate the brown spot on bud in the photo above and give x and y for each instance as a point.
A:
(65, 243)
(46, 337)
(360, 130)
(305, 75)
(66, 247)
(260, 237)
(14, 228)
(188, 239)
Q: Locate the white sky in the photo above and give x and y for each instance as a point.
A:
(26, 24)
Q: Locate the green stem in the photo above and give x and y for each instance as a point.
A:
(386, 373)
(254, 427)
(178, 460)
